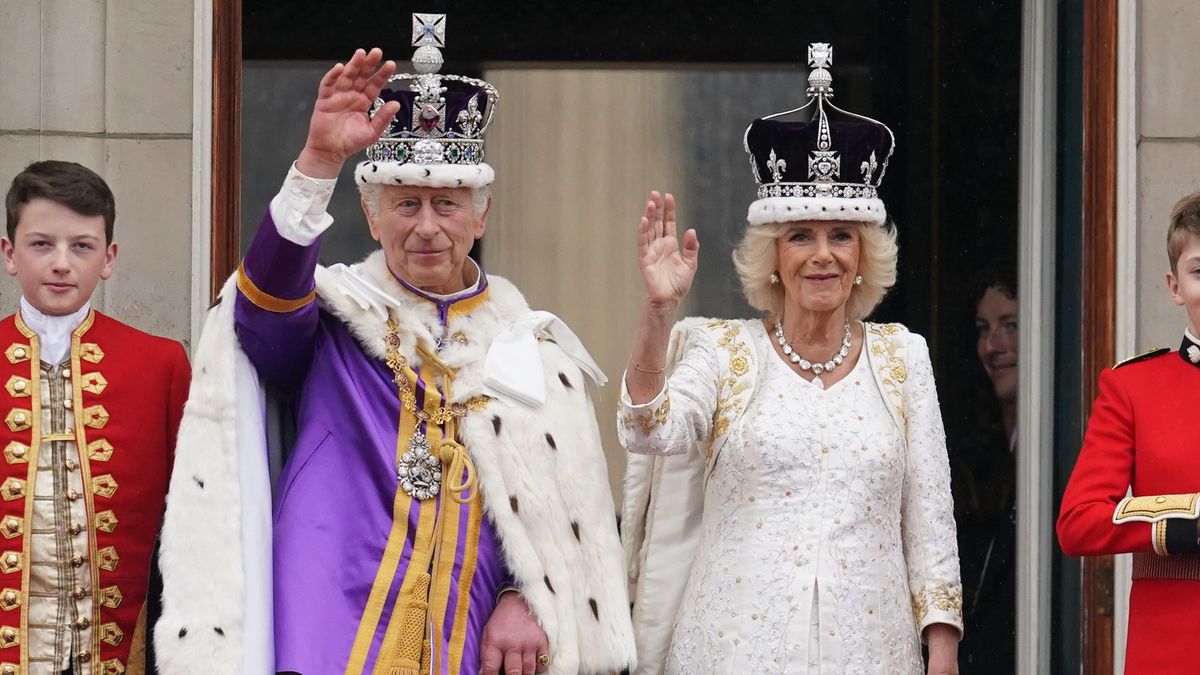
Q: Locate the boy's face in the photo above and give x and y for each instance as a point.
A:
(1184, 282)
(58, 257)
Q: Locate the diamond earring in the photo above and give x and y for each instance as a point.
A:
(774, 278)
(858, 280)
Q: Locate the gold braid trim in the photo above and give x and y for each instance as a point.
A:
(265, 300)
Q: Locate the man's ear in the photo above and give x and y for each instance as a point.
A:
(369, 213)
(110, 258)
(1172, 288)
(481, 225)
(7, 248)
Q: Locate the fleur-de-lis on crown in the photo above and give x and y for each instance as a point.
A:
(776, 167)
(470, 117)
(868, 168)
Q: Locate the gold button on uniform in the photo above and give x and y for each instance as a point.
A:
(19, 385)
(85, 656)
(71, 464)
(19, 352)
(77, 560)
(83, 622)
(1160, 499)
(72, 495)
(75, 528)
(66, 373)
(78, 593)
(68, 404)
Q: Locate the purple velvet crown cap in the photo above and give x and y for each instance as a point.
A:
(431, 121)
(854, 141)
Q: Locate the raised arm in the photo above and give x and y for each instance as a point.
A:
(667, 273)
(275, 313)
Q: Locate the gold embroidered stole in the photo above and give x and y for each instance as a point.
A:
(413, 641)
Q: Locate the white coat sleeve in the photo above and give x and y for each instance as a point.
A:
(930, 542)
(681, 416)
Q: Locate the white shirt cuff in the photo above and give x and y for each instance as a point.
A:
(299, 210)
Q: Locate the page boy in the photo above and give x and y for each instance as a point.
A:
(90, 409)
(1142, 439)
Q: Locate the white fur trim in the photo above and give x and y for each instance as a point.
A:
(431, 175)
(792, 209)
(216, 535)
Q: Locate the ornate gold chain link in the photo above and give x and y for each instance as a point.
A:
(399, 365)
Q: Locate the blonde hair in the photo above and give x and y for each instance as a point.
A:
(755, 259)
(1185, 223)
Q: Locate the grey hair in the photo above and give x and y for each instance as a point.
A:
(370, 192)
(755, 259)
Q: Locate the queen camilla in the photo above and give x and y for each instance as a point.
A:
(787, 506)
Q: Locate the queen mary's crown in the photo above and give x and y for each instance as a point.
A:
(828, 167)
(436, 139)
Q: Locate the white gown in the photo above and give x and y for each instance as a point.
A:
(828, 537)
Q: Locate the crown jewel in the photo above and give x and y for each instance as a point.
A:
(834, 155)
(443, 117)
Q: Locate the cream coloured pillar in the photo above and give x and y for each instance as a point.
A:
(576, 153)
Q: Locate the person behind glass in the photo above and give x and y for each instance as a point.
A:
(1135, 487)
(445, 508)
(819, 535)
(983, 472)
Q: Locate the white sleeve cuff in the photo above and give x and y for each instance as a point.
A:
(299, 210)
(628, 404)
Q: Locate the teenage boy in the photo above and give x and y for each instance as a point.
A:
(1142, 441)
(90, 409)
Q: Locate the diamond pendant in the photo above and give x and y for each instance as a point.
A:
(419, 471)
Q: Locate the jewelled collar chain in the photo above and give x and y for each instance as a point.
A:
(399, 365)
(805, 364)
(420, 467)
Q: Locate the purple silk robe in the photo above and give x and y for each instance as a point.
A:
(334, 502)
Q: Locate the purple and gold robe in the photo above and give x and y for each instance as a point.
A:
(366, 577)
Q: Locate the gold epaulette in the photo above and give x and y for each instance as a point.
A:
(1142, 357)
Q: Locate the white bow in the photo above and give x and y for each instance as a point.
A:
(514, 368)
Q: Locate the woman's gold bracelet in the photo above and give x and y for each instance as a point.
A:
(638, 367)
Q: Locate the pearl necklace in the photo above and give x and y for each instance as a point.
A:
(805, 364)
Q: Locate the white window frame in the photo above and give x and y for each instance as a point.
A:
(1036, 261)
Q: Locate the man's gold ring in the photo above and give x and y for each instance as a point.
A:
(543, 660)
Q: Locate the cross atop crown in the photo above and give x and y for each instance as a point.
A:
(429, 30)
(820, 55)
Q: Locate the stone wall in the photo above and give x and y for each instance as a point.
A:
(108, 84)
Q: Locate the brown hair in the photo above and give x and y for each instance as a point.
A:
(73, 185)
(1185, 223)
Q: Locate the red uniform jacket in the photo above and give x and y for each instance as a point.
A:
(129, 389)
(1142, 435)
